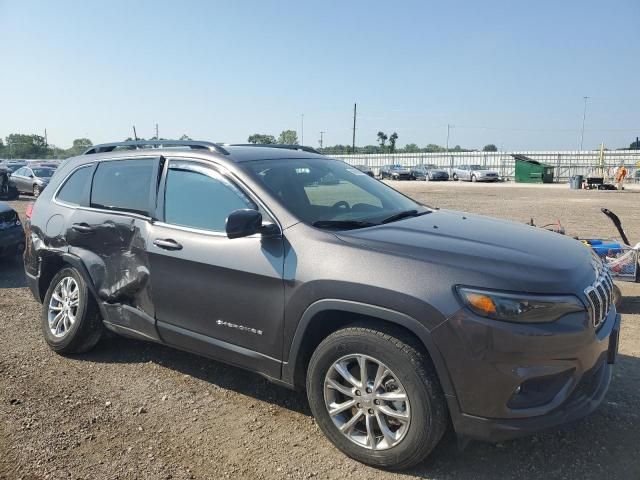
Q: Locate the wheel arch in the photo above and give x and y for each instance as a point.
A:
(324, 317)
(51, 264)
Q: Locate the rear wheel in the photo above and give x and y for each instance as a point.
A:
(376, 396)
(71, 321)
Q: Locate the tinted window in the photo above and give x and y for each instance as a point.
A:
(123, 185)
(20, 171)
(199, 197)
(73, 189)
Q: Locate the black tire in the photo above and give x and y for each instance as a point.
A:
(455, 177)
(85, 331)
(36, 191)
(426, 177)
(474, 179)
(412, 367)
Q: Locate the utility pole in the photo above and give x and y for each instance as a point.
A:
(448, 130)
(46, 141)
(135, 135)
(157, 137)
(584, 116)
(447, 148)
(353, 141)
(321, 134)
(302, 129)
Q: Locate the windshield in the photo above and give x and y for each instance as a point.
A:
(43, 172)
(323, 190)
(477, 167)
(397, 167)
(430, 166)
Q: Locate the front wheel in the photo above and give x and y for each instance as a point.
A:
(36, 191)
(455, 177)
(474, 179)
(376, 396)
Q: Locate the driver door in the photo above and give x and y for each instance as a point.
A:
(220, 297)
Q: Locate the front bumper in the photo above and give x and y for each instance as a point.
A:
(11, 241)
(568, 357)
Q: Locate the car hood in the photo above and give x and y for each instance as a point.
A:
(484, 172)
(483, 251)
(436, 170)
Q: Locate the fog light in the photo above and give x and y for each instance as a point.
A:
(539, 391)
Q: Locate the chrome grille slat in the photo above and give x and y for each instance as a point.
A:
(600, 296)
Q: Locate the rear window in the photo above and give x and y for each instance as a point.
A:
(74, 188)
(123, 185)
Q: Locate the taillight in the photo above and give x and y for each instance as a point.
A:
(29, 211)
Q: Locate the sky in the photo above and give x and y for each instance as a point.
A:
(511, 73)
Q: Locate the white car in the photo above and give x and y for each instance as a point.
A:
(475, 173)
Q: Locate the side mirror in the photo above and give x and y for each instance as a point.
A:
(246, 222)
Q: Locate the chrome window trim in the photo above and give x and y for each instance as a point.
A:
(62, 184)
(229, 176)
(221, 169)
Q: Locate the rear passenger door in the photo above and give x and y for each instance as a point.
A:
(213, 295)
(108, 232)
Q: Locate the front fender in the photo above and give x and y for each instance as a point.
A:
(374, 311)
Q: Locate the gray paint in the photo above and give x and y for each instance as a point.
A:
(403, 273)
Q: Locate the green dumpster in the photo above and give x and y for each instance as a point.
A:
(529, 170)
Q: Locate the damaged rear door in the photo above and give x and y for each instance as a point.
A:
(110, 237)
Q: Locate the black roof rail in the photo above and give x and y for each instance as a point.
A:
(140, 144)
(276, 145)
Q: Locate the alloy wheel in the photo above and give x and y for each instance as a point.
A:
(63, 307)
(367, 402)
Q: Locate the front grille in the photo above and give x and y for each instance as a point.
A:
(600, 296)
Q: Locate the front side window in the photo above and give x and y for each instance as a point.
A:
(199, 197)
(325, 192)
(73, 190)
(123, 185)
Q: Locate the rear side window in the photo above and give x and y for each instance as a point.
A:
(123, 185)
(74, 188)
(201, 198)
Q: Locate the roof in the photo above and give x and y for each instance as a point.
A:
(235, 153)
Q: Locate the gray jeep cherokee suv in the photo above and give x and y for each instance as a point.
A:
(395, 317)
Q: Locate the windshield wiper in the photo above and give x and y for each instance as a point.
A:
(404, 214)
(342, 224)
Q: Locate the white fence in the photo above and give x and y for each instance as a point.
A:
(566, 163)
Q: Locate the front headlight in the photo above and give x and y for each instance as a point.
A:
(519, 307)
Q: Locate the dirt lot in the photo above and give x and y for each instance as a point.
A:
(136, 410)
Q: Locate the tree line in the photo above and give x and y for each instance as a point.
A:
(18, 145)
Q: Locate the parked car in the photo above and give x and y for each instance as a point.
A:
(397, 319)
(475, 173)
(53, 165)
(8, 190)
(11, 232)
(32, 179)
(365, 169)
(395, 172)
(13, 165)
(429, 172)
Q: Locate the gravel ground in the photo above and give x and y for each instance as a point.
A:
(135, 410)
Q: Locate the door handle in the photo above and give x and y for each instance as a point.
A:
(167, 244)
(82, 228)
